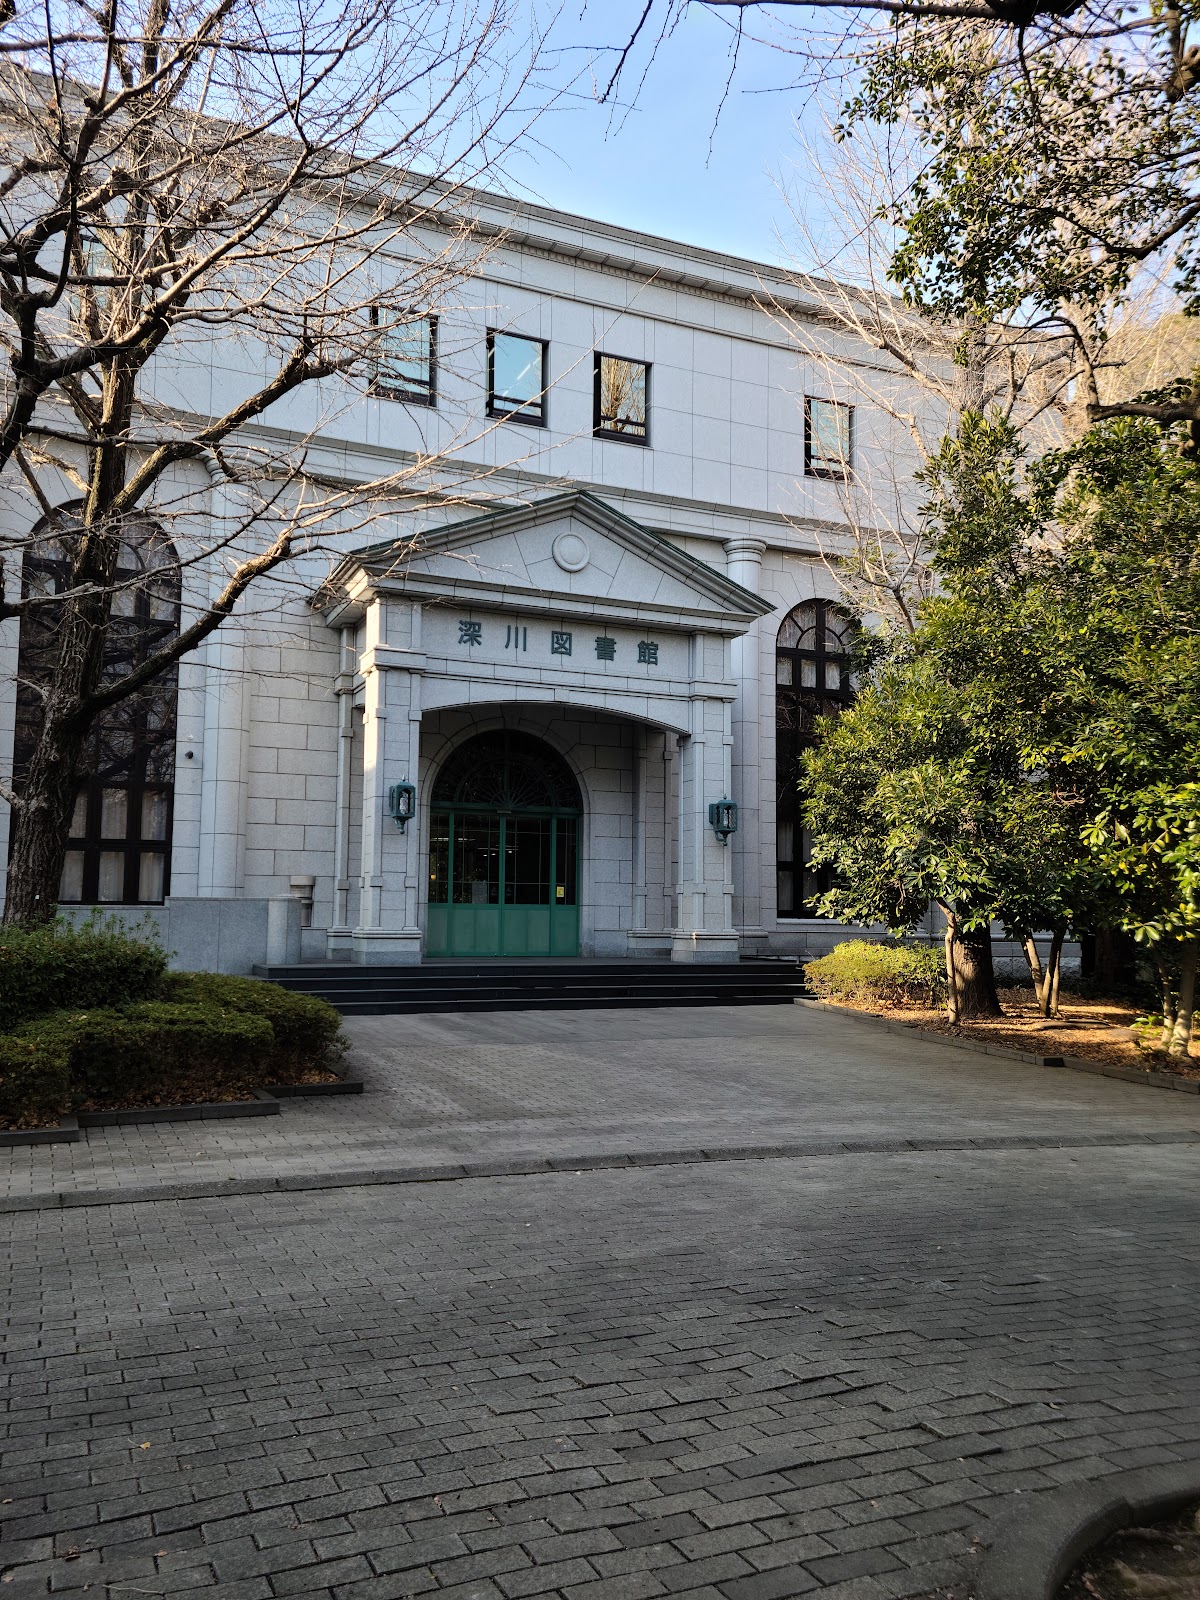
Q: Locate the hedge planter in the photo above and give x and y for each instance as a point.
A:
(264, 1104)
(289, 1091)
(65, 1131)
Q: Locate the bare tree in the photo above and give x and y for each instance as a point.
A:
(218, 218)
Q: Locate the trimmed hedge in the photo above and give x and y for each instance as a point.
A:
(35, 1078)
(133, 1033)
(94, 964)
(307, 1031)
(880, 974)
(149, 1049)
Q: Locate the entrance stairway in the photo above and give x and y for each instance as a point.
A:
(359, 991)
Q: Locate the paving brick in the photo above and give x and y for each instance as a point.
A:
(626, 1383)
(776, 1585)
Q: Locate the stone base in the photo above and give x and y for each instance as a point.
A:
(379, 947)
(704, 946)
(645, 946)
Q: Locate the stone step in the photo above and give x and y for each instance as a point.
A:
(473, 985)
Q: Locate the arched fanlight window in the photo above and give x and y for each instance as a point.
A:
(119, 851)
(813, 678)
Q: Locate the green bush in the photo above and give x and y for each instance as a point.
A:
(307, 1031)
(150, 1049)
(95, 964)
(35, 1080)
(880, 974)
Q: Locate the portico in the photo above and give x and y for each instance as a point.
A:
(564, 628)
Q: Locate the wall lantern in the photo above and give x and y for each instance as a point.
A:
(722, 818)
(402, 802)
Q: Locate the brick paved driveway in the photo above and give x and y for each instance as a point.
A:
(526, 1087)
(737, 1380)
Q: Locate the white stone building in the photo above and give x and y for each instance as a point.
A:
(559, 675)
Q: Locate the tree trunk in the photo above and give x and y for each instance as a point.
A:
(42, 819)
(1167, 990)
(970, 980)
(1181, 1034)
(1034, 962)
(1048, 997)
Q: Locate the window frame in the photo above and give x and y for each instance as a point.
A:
(380, 388)
(599, 430)
(138, 779)
(518, 412)
(814, 467)
(804, 702)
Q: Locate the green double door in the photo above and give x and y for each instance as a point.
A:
(503, 883)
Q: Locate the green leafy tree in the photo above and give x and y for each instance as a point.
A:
(1152, 855)
(915, 798)
(1030, 756)
(1057, 165)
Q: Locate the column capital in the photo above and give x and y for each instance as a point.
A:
(748, 548)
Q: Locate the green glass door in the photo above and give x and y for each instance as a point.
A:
(502, 885)
(504, 851)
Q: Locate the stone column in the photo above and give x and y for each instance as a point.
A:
(640, 821)
(744, 566)
(704, 928)
(388, 929)
(339, 940)
(224, 778)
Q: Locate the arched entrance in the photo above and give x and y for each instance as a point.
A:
(504, 851)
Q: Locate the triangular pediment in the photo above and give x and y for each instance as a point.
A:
(568, 553)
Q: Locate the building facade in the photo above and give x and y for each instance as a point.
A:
(557, 716)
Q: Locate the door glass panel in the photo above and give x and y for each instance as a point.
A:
(150, 878)
(476, 861)
(71, 885)
(527, 861)
(79, 818)
(439, 858)
(154, 816)
(114, 812)
(785, 892)
(111, 888)
(565, 872)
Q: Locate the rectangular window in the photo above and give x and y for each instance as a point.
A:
(516, 378)
(828, 439)
(621, 407)
(405, 358)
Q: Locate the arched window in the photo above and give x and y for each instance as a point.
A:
(813, 663)
(120, 837)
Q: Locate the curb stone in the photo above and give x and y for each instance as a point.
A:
(266, 1103)
(65, 1131)
(1036, 1546)
(530, 1166)
(1151, 1080)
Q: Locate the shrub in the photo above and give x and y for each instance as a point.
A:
(35, 1080)
(307, 1031)
(151, 1048)
(95, 964)
(879, 974)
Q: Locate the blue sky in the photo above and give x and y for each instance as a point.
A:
(666, 163)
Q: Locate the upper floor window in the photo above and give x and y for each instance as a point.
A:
(405, 366)
(516, 377)
(621, 405)
(828, 439)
